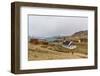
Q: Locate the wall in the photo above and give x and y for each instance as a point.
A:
(5, 33)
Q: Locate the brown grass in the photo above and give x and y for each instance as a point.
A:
(56, 51)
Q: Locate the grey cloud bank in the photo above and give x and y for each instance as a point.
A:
(49, 26)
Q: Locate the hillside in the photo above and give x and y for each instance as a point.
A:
(75, 36)
(82, 34)
(53, 47)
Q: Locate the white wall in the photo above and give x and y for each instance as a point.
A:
(5, 33)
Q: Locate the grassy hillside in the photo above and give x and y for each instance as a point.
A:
(49, 50)
(45, 52)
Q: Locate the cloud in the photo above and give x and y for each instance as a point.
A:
(48, 26)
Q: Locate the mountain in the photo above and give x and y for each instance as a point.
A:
(81, 34)
(76, 35)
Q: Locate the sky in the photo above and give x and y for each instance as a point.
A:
(40, 26)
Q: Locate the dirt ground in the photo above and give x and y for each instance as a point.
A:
(47, 52)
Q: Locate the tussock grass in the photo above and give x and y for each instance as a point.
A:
(56, 51)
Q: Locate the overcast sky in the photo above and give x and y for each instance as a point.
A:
(48, 26)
